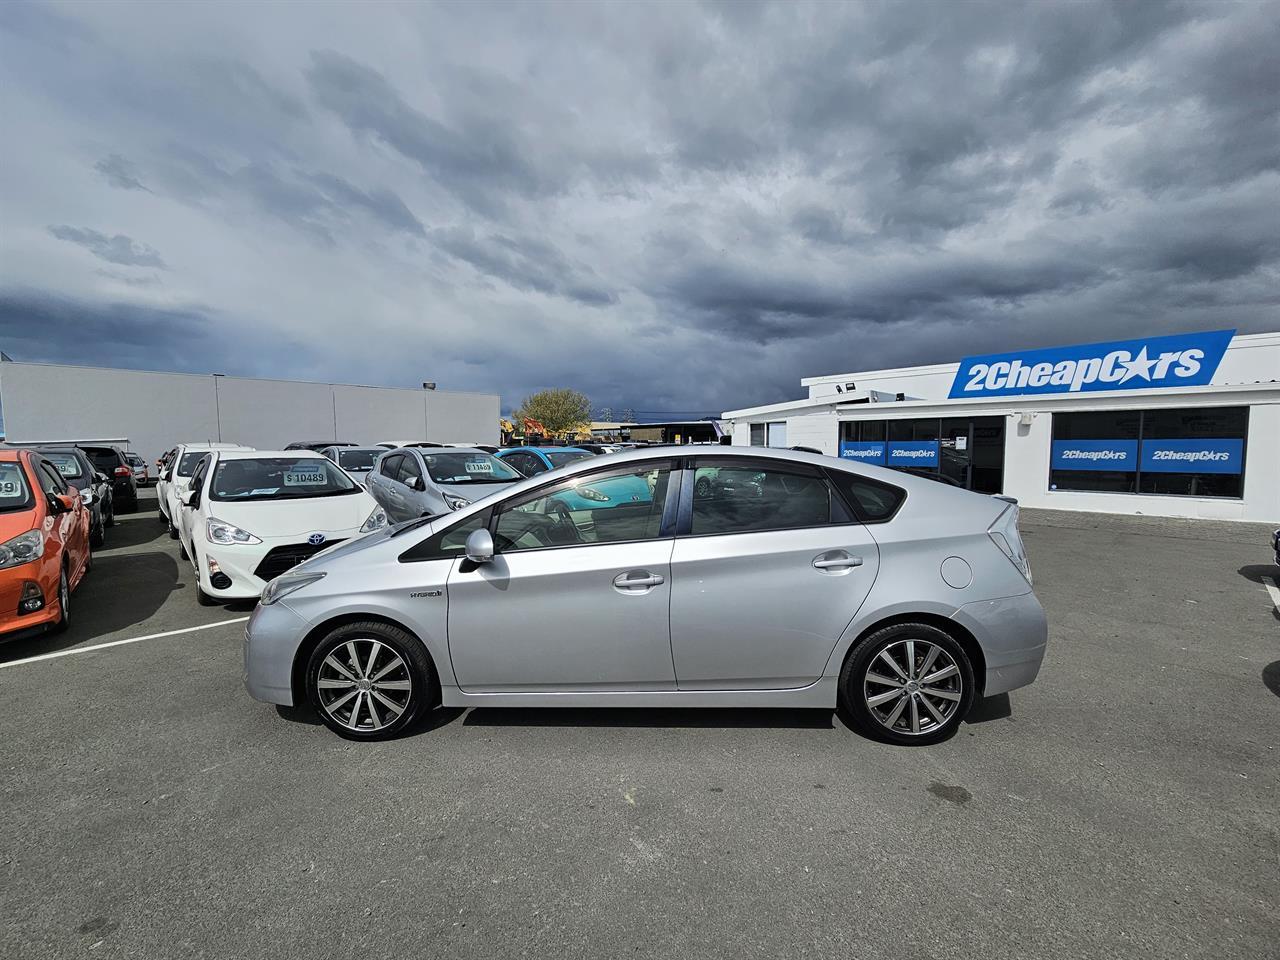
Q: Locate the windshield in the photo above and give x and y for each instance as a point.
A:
(134, 459)
(462, 467)
(358, 459)
(279, 478)
(67, 464)
(564, 458)
(14, 492)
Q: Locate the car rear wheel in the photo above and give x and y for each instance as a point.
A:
(97, 535)
(370, 681)
(109, 514)
(910, 683)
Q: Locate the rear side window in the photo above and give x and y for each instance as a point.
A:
(748, 497)
(870, 500)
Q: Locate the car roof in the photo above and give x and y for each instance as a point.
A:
(247, 454)
(201, 445)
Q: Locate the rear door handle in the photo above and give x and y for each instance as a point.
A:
(625, 581)
(835, 563)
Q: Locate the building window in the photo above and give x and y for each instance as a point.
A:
(757, 434)
(769, 434)
(1183, 452)
(961, 451)
(778, 434)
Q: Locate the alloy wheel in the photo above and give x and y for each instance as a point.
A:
(364, 685)
(913, 687)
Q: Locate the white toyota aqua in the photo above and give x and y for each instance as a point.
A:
(251, 515)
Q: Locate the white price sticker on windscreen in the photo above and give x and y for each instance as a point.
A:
(305, 478)
(9, 488)
(479, 466)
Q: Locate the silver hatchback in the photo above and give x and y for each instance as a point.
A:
(785, 580)
(412, 482)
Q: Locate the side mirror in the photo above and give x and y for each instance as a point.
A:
(101, 477)
(192, 498)
(480, 546)
(62, 503)
(415, 483)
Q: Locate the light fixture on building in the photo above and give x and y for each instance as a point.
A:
(428, 384)
(1026, 418)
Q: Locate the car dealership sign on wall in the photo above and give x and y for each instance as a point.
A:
(1181, 360)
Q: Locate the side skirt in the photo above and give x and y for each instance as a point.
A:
(819, 695)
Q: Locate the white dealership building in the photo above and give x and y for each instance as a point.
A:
(1186, 425)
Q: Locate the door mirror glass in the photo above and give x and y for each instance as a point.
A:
(480, 546)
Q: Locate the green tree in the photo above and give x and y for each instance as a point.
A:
(558, 410)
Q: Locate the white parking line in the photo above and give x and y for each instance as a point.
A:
(119, 643)
(1273, 590)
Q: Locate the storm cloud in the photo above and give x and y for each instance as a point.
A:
(671, 207)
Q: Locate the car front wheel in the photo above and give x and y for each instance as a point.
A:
(910, 683)
(370, 680)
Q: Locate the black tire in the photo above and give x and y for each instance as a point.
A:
(109, 514)
(702, 488)
(64, 603)
(97, 535)
(182, 551)
(204, 599)
(422, 695)
(854, 681)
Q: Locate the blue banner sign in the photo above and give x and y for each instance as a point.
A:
(864, 452)
(1181, 360)
(913, 453)
(1193, 456)
(1095, 455)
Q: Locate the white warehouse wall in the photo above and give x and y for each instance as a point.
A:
(156, 410)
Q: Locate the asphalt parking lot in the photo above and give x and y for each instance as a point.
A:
(1123, 806)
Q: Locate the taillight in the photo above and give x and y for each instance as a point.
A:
(123, 471)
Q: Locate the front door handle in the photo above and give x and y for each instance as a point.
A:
(637, 578)
(836, 563)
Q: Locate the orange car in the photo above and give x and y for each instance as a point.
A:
(44, 544)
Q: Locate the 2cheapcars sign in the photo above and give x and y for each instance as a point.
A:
(1181, 360)
(1154, 456)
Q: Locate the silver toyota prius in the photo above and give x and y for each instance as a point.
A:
(659, 577)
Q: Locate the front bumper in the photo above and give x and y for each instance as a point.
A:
(1013, 633)
(271, 641)
(240, 562)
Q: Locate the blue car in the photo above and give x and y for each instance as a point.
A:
(602, 494)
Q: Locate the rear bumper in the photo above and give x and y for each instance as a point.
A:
(1013, 633)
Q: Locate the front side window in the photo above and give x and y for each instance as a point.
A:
(613, 507)
(750, 498)
(409, 470)
(448, 543)
(468, 468)
(186, 466)
(15, 494)
(279, 478)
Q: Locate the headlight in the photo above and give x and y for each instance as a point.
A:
(455, 502)
(23, 548)
(288, 583)
(377, 520)
(1004, 534)
(219, 532)
(591, 493)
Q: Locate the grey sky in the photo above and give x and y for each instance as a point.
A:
(670, 207)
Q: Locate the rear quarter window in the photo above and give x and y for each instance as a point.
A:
(870, 500)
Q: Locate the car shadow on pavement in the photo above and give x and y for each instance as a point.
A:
(133, 532)
(99, 608)
(705, 717)
(434, 719)
(1271, 677)
(987, 709)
